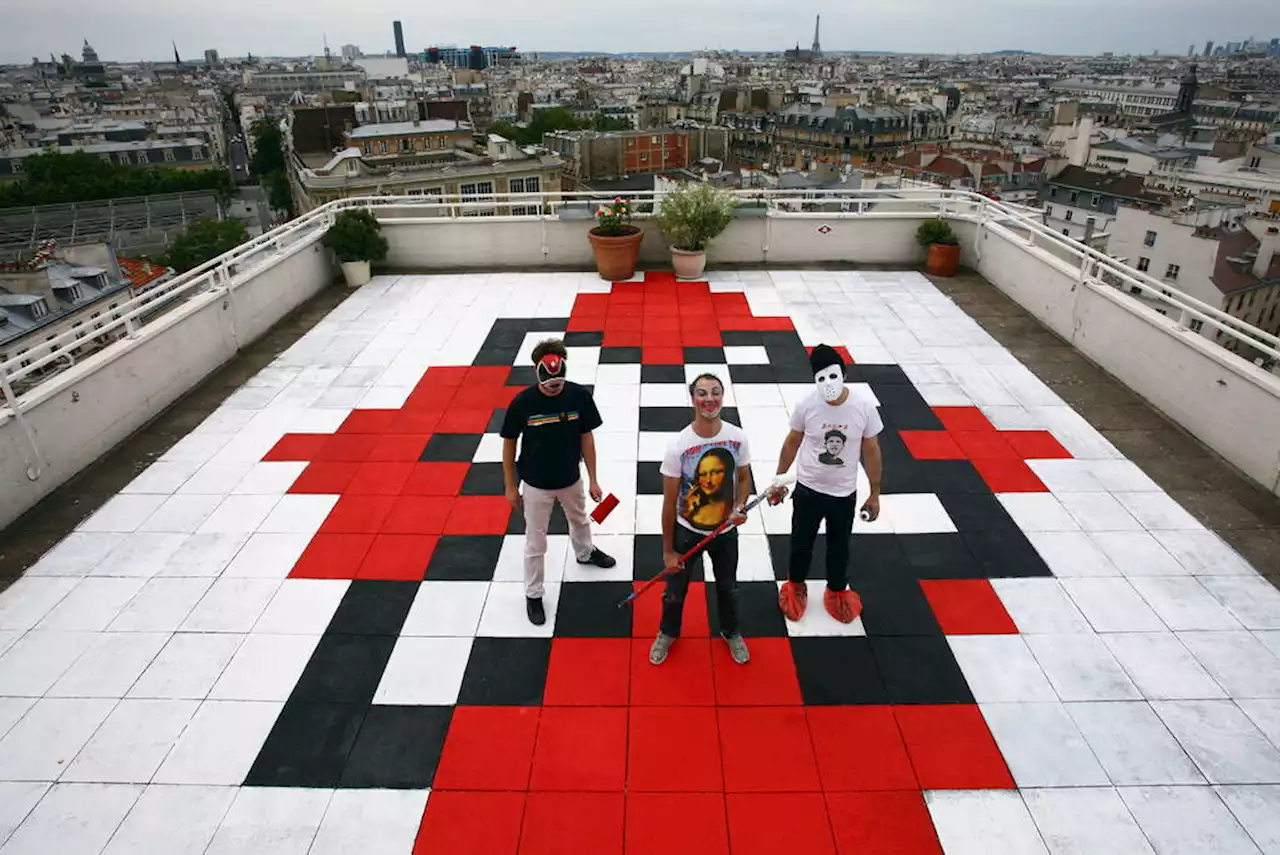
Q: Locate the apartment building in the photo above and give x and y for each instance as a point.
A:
(593, 157)
(1080, 202)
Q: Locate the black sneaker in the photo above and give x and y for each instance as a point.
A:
(599, 559)
(537, 616)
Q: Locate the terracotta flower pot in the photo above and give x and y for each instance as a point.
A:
(944, 259)
(616, 256)
(688, 265)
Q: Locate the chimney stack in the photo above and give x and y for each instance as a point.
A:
(1267, 247)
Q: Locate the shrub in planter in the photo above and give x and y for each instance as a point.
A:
(356, 239)
(690, 217)
(943, 246)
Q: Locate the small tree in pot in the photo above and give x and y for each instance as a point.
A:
(356, 238)
(936, 236)
(691, 217)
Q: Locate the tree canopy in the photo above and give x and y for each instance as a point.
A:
(51, 178)
(268, 163)
(203, 240)
(555, 119)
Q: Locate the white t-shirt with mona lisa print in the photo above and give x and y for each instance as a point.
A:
(708, 471)
(828, 458)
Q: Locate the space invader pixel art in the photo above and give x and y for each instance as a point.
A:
(563, 737)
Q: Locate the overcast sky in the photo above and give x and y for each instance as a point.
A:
(142, 29)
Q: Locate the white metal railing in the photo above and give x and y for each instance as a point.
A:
(221, 275)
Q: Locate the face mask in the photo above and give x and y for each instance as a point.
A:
(830, 382)
(551, 370)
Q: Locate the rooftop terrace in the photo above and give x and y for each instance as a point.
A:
(286, 612)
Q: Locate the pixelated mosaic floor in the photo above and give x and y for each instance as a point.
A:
(302, 630)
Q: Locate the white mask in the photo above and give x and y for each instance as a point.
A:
(830, 382)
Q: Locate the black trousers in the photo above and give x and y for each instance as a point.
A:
(808, 509)
(724, 563)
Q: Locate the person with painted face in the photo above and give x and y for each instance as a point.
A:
(706, 481)
(555, 417)
(830, 429)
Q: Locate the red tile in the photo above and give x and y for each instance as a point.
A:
(398, 557)
(591, 303)
(623, 338)
(626, 294)
(503, 395)
(418, 515)
(646, 612)
(624, 323)
(731, 302)
(967, 607)
(735, 322)
(379, 479)
(348, 448)
(325, 478)
(488, 748)
(464, 421)
(767, 749)
(774, 324)
(859, 748)
(885, 823)
(400, 447)
(581, 749)
(676, 824)
(1035, 445)
(662, 355)
(770, 823)
(487, 375)
(962, 418)
(703, 336)
(478, 515)
(421, 420)
(769, 679)
(983, 445)
(556, 823)
(430, 399)
(470, 824)
(692, 289)
(1009, 476)
(444, 375)
(673, 749)
(951, 748)
(368, 421)
(297, 446)
(931, 445)
(592, 672)
(683, 680)
(436, 479)
(358, 515)
(477, 397)
(585, 323)
(332, 556)
(662, 323)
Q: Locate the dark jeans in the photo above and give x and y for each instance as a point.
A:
(808, 509)
(724, 563)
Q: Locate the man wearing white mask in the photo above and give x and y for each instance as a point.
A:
(830, 430)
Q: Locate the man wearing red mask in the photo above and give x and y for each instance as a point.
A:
(555, 418)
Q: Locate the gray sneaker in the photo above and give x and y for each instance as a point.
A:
(661, 645)
(738, 648)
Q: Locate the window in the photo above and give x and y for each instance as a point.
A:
(1143, 264)
(169, 156)
(368, 148)
(524, 185)
(1097, 200)
(123, 157)
(479, 188)
(140, 157)
(1172, 272)
(382, 146)
(1197, 325)
(16, 165)
(1068, 216)
(406, 144)
(197, 153)
(1075, 197)
(1048, 210)
(1067, 232)
(1149, 239)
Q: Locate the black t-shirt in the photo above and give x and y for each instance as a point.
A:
(553, 429)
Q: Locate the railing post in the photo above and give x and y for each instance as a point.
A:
(130, 328)
(11, 400)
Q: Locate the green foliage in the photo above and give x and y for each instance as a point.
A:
(936, 230)
(279, 194)
(268, 163)
(695, 213)
(356, 235)
(53, 178)
(555, 119)
(202, 241)
(614, 218)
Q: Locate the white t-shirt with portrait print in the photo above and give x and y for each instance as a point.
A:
(828, 459)
(708, 471)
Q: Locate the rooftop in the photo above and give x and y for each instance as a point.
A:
(385, 129)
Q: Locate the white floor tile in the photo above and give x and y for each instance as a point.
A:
(302, 606)
(1266, 715)
(298, 514)
(1000, 669)
(1133, 744)
(267, 556)
(269, 478)
(181, 514)
(909, 513)
(618, 375)
(510, 566)
(187, 667)
(1039, 605)
(110, 666)
(16, 801)
(36, 661)
(8, 638)
(983, 822)
(92, 605)
(204, 555)
(446, 608)
(1122, 475)
(271, 821)
(12, 710)
(653, 444)
(222, 473)
(185, 818)
(1080, 668)
(265, 668)
(1161, 666)
(489, 450)
(163, 477)
(373, 822)
(231, 605)
(755, 564)
(1253, 601)
(1098, 512)
(1203, 553)
(1137, 553)
(49, 736)
(1258, 810)
(25, 603)
(141, 554)
(816, 621)
(1085, 821)
(219, 744)
(1066, 476)
(132, 742)
(1237, 661)
(620, 547)
(161, 606)
(1184, 604)
(1187, 821)
(73, 819)
(1071, 553)
(1222, 740)
(123, 512)
(505, 614)
(424, 671)
(1038, 512)
(198, 447)
(239, 514)
(1112, 605)
(1158, 511)
(1042, 745)
(77, 553)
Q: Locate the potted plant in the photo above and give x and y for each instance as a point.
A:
(616, 242)
(935, 235)
(356, 238)
(691, 216)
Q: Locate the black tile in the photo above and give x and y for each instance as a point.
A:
(675, 419)
(780, 554)
(752, 374)
(758, 612)
(780, 338)
(495, 421)
(704, 355)
(620, 355)
(506, 672)
(939, 556)
(876, 553)
(647, 561)
(559, 523)
(451, 447)
(1005, 553)
(741, 338)
(555, 325)
(891, 374)
(974, 512)
(583, 339)
(344, 669)
(893, 603)
(484, 479)
(793, 373)
(649, 480)
(590, 610)
(398, 748)
(461, 557)
(522, 375)
(908, 476)
(500, 355)
(837, 671)
(662, 374)
(373, 608)
(790, 354)
(308, 746)
(902, 408)
(920, 670)
(954, 476)
(503, 334)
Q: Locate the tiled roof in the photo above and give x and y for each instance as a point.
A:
(141, 273)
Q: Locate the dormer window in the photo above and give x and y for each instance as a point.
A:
(39, 309)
